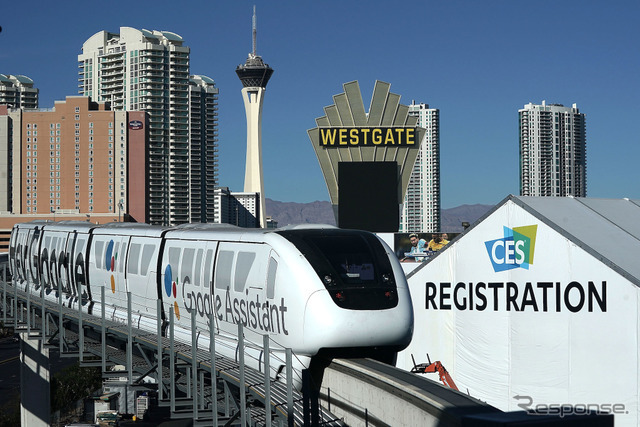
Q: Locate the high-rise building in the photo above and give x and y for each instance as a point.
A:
(255, 75)
(149, 71)
(18, 92)
(421, 207)
(79, 158)
(553, 150)
(203, 137)
(240, 209)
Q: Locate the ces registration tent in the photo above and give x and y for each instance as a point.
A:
(537, 305)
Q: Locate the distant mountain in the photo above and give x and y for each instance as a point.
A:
(320, 212)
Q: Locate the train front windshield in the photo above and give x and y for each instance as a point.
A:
(352, 265)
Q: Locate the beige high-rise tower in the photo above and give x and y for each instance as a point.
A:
(254, 75)
(149, 71)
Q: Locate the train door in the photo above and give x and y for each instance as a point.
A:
(183, 279)
(72, 287)
(58, 264)
(108, 260)
(140, 275)
(21, 254)
(195, 269)
(80, 274)
(240, 286)
(66, 257)
(207, 281)
(51, 255)
(45, 258)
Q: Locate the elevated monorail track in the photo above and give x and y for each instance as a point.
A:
(186, 374)
(354, 392)
(241, 393)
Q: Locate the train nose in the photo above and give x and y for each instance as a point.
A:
(326, 325)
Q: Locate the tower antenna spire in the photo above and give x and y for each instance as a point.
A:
(255, 30)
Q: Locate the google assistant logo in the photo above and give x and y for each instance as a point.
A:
(110, 259)
(171, 288)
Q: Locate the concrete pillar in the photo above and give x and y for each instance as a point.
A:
(35, 398)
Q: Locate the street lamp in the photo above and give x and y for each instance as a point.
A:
(53, 211)
(120, 207)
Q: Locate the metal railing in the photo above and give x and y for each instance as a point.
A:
(195, 382)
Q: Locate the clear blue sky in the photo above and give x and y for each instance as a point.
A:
(476, 61)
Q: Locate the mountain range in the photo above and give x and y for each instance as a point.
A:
(320, 212)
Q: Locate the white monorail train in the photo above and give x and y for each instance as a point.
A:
(321, 291)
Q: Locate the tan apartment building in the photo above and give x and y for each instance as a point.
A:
(78, 160)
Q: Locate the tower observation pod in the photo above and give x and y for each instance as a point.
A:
(254, 75)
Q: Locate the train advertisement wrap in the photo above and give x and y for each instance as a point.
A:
(302, 287)
(515, 307)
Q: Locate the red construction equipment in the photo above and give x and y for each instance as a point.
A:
(426, 368)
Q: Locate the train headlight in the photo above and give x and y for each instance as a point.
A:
(328, 280)
(387, 279)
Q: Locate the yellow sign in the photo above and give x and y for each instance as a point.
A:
(336, 137)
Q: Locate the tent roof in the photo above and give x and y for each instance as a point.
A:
(608, 229)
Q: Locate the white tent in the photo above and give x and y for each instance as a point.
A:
(536, 306)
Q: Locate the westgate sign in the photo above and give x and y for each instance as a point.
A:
(337, 137)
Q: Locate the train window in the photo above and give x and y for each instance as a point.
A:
(348, 256)
(223, 269)
(198, 270)
(174, 259)
(117, 257)
(121, 256)
(134, 257)
(98, 253)
(243, 266)
(271, 277)
(147, 253)
(208, 268)
(187, 265)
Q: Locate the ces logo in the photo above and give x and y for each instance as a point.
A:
(514, 250)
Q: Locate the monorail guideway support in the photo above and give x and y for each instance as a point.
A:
(194, 383)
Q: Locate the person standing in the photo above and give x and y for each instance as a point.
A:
(436, 243)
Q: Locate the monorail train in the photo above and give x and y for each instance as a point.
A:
(321, 291)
